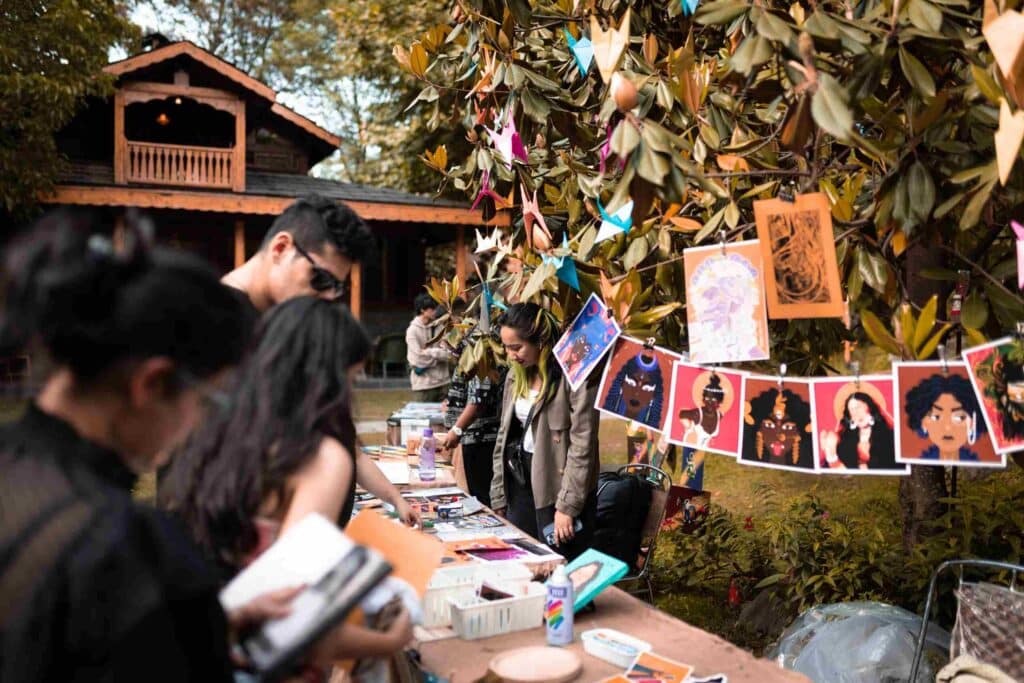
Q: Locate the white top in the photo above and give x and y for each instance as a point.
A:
(522, 408)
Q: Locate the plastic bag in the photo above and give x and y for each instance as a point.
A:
(990, 627)
(859, 642)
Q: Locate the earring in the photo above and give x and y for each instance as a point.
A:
(972, 431)
(923, 432)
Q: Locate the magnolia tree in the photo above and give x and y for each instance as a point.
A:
(889, 108)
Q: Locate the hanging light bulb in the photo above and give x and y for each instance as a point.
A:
(177, 100)
(163, 119)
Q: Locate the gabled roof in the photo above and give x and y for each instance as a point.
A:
(226, 69)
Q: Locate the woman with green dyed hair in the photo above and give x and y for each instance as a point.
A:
(546, 457)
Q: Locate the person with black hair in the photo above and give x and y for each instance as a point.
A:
(309, 250)
(284, 448)
(638, 390)
(429, 374)
(546, 457)
(863, 438)
(944, 409)
(777, 430)
(94, 586)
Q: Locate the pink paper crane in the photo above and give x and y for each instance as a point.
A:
(485, 190)
(508, 143)
(541, 237)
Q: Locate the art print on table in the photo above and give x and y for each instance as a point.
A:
(778, 426)
(725, 310)
(636, 381)
(940, 417)
(855, 426)
(584, 344)
(802, 275)
(997, 374)
(705, 408)
(652, 668)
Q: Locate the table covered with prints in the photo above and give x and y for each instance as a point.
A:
(403, 471)
(464, 661)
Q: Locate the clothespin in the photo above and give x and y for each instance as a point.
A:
(1019, 333)
(685, 356)
(942, 359)
(721, 240)
(782, 375)
(649, 343)
(787, 193)
(855, 366)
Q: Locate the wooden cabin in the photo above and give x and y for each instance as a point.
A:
(211, 155)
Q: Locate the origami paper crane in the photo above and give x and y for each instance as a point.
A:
(1008, 137)
(508, 143)
(1018, 230)
(611, 225)
(489, 298)
(689, 7)
(485, 84)
(608, 45)
(1005, 36)
(490, 243)
(582, 51)
(531, 216)
(485, 190)
(565, 266)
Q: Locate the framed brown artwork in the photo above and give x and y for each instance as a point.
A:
(801, 272)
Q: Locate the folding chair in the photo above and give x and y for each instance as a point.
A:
(1015, 569)
(639, 576)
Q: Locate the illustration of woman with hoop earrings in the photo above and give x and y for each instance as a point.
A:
(638, 390)
(945, 410)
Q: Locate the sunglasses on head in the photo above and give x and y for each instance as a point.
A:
(321, 279)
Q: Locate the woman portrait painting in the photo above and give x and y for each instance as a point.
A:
(941, 420)
(635, 383)
(778, 426)
(856, 426)
(705, 409)
(584, 344)
(997, 374)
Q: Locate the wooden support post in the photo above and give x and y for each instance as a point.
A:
(355, 301)
(120, 143)
(238, 160)
(239, 242)
(118, 238)
(460, 254)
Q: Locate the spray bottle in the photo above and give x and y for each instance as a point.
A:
(558, 610)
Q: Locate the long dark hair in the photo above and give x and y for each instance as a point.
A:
(651, 416)
(84, 305)
(290, 392)
(882, 451)
(798, 410)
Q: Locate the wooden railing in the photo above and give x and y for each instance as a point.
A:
(159, 164)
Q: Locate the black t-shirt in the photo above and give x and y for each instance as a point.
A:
(92, 586)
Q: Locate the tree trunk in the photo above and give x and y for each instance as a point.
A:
(920, 492)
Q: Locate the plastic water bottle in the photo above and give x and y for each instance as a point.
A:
(427, 453)
(558, 611)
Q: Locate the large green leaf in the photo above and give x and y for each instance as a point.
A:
(975, 311)
(829, 108)
(916, 73)
(720, 11)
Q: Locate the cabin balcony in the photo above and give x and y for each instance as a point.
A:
(183, 165)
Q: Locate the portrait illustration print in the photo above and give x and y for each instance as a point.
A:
(856, 428)
(584, 344)
(997, 373)
(705, 408)
(725, 311)
(636, 382)
(940, 417)
(778, 426)
(802, 274)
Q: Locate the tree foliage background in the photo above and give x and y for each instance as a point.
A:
(887, 106)
(51, 58)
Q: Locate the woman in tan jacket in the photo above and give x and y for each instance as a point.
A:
(546, 458)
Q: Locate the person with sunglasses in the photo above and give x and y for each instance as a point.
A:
(309, 250)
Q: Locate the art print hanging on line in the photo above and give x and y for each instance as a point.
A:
(636, 382)
(940, 417)
(592, 333)
(855, 422)
(705, 408)
(725, 309)
(778, 425)
(802, 275)
(996, 371)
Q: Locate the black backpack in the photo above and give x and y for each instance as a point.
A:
(623, 502)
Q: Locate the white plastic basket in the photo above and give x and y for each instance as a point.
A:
(474, 617)
(462, 581)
